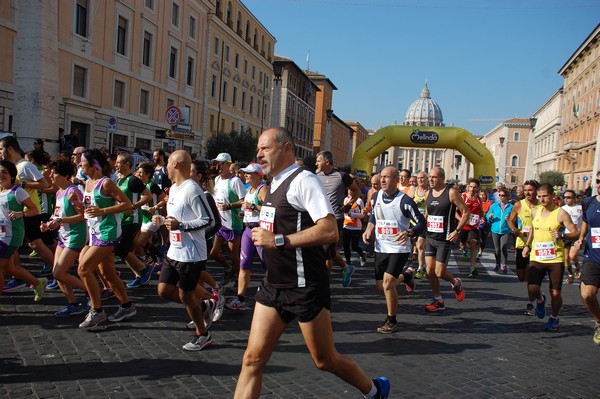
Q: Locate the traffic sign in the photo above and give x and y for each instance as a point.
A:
(111, 125)
(182, 127)
(585, 178)
(172, 115)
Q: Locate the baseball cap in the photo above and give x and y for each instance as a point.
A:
(39, 141)
(253, 168)
(222, 157)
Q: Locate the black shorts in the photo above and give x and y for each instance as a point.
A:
(290, 303)
(185, 275)
(439, 249)
(468, 235)
(521, 262)
(32, 227)
(590, 273)
(129, 231)
(555, 272)
(389, 263)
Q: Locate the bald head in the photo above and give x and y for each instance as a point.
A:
(179, 166)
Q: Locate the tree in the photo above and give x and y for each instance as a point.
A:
(553, 177)
(240, 145)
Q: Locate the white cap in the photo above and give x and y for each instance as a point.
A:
(222, 157)
(253, 168)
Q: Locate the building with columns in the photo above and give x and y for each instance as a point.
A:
(578, 144)
(294, 104)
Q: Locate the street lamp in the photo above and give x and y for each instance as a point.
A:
(329, 113)
(276, 99)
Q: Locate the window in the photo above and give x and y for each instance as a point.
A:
(149, 4)
(237, 60)
(258, 109)
(224, 99)
(253, 72)
(144, 101)
(227, 54)
(517, 136)
(212, 123)
(245, 67)
(514, 179)
(81, 16)
(189, 78)
(514, 161)
(146, 48)
(192, 27)
(243, 101)
(175, 15)
(251, 104)
(144, 144)
(119, 94)
(79, 81)
(122, 36)
(213, 86)
(173, 63)
(170, 102)
(234, 99)
(216, 46)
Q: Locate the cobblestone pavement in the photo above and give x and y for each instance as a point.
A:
(483, 347)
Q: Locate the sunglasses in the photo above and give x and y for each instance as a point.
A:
(597, 181)
(568, 196)
(502, 195)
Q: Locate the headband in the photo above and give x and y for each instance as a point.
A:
(95, 163)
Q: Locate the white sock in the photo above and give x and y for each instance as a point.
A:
(372, 392)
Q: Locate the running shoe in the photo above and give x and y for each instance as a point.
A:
(123, 313)
(409, 280)
(219, 305)
(208, 313)
(93, 320)
(33, 253)
(146, 275)
(479, 255)
(497, 268)
(387, 327)
(459, 292)
(236, 304)
(529, 311)
(136, 282)
(552, 324)
(465, 253)
(363, 260)
(597, 334)
(569, 280)
(435, 305)
(504, 269)
(45, 272)
(540, 309)
(198, 343)
(70, 310)
(14, 285)
(421, 273)
(577, 272)
(107, 293)
(347, 275)
(473, 272)
(383, 387)
(191, 325)
(52, 285)
(40, 288)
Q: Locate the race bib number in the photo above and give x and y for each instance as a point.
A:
(526, 230)
(435, 224)
(56, 212)
(545, 251)
(175, 238)
(87, 202)
(595, 237)
(267, 217)
(387, 229)
(2, 229)
(474, 220)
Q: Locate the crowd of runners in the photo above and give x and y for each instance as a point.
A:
(81, 210)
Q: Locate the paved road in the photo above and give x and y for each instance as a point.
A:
(483, 347)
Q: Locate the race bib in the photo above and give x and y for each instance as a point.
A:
(526, 230)
(387, 229)
(87, 202)
(175, 238)
(435, 224)
(595, 237)
(56, 212)
(267, 217)
(545, 250)
(2, 229)
(473, 220)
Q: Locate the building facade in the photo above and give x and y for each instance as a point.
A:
(294, 104)
(545, 138)
(578, 144)
(239, 78)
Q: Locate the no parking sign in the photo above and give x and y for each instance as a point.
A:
(172, 115)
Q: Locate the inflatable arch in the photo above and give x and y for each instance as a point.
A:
(427, 137)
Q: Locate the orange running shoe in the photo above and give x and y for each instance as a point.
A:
(459, 292)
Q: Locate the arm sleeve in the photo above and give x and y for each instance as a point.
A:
(212, 230)
(205, 218)
(347, 179)
(373, 201)
(135, 185)
(154, 189)
(411, 211)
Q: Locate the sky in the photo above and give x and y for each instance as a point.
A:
(484, 61)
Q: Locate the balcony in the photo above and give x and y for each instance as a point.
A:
(570, 146)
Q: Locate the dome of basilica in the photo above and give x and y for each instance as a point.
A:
(424, 111)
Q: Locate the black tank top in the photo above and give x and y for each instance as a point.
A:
(441, 207)
(298, 267)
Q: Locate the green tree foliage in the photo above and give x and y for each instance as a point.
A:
(240, 145)
(552, 177)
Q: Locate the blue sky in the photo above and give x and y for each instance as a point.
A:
(484, 61)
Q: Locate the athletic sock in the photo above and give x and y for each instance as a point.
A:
(373, 391)
(241, 298)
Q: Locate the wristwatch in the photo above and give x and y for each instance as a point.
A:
(253, 206)
(279, 240)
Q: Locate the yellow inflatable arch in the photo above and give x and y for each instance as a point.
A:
(427, 137)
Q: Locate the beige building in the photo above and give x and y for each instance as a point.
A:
(239, 78)
(508, 142)
(543, 143)
(358, 137)
(578, 144)
(294, 104)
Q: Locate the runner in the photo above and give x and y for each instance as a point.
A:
(575, 212)
(484, 226)
(470, 234)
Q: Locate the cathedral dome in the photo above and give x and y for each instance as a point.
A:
(424, 111)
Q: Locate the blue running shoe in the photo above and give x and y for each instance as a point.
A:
(52, 285)
(70, 310)
(45, 272)
(383, 387)
(137, 282)
(146, 275)
(540, 308)
(14, 285)
(552, 324)
(347, 275)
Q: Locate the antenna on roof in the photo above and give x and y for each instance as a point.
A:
(308, 61)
